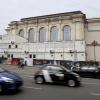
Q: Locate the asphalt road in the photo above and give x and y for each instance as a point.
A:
(90, 89)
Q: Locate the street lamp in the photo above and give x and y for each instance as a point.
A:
(94, 43)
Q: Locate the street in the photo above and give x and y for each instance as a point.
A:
(90, 89)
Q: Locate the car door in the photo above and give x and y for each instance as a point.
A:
(60, 75)
(56, 74)
(49, 74)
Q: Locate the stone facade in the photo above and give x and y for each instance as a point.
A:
(78, 48)
(92, 38)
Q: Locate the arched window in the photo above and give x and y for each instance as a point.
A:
(42, 34)
(31, 35)
(54, 34)
(21, 33)
(66, 33)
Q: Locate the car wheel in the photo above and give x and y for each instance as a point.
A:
(39, 80)
(71, 83)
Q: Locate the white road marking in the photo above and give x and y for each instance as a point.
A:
(96, 94)
(29, 87)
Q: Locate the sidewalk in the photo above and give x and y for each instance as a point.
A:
(15, 68)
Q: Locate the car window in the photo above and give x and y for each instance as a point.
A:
(88, 67)
(93, 68)
(53, 68)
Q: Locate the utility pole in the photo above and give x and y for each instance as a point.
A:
(94, 44)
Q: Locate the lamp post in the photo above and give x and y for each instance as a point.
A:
(94, 43)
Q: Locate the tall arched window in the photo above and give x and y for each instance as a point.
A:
(31, 35)
(21, 33)
(54, 34)
(42, 34)
(66, 33)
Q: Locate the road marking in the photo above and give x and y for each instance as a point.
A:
(96, 94)
(36, 88)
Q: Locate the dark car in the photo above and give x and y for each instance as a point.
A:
(87, 71)
(9, 81)
(56, 74)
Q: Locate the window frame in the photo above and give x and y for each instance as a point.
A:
(52, 32)
(31, 31)
(43, 39)
(21, 33)
(66, 33)
(9, 46)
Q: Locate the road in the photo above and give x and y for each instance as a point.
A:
(90, 89)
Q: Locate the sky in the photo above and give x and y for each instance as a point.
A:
(14, 10)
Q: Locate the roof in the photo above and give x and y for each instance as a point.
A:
(93, 20)
(53, 15)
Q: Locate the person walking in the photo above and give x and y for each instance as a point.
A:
(22, 65)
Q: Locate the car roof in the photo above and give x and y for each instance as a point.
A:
(52, 65)
(55, 66)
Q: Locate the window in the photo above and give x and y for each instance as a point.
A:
(34, 56)
(42, 34)
(21, 33)
(54, 34)
(30, 56)
(31, 35)
(2, 56)
(9, 46)
(11, 55)
(16, 46)
(0, 37)
(66, 33)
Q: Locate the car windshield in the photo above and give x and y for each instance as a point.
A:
(64, 68)
(1, 70)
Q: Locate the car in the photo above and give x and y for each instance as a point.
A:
(9, 81)
(56, 74)
(89, 68)
(87, 71)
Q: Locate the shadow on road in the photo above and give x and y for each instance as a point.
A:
(11, 93)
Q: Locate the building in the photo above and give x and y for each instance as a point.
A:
(55, 38)
(92, 38)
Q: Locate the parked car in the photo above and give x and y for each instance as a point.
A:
(9, 81)
(87, 71)
(56, 74)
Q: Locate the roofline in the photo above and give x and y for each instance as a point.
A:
(93, 20)
(50, 15)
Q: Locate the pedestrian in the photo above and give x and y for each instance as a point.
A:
(22, 65)
(25, 63)
(19, 64)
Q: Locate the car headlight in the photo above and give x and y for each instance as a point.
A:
(6, 79)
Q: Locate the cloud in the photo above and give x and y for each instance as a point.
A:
(16, 9)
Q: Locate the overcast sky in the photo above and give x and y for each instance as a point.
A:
(12, 10)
